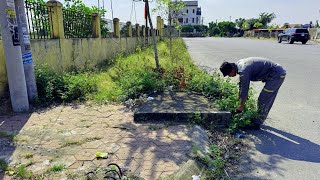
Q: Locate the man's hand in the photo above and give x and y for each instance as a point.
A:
(239, 109)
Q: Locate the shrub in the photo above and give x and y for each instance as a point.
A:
(62, 87)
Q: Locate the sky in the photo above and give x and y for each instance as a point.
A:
(287, 11)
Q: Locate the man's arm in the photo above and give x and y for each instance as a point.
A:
(243, 90)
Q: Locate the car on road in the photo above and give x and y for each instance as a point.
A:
(294, 34)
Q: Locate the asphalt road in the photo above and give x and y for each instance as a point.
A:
(288, 146)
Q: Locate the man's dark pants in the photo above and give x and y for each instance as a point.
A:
(268, 95)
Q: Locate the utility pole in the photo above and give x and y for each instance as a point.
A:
(26, 50)
(146, 17)
(153, 37)
(13, 56)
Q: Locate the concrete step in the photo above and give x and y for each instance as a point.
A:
(181, 107)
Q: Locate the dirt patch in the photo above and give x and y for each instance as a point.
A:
(232, 147)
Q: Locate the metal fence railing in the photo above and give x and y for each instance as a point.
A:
(77, 24)
(38, 20)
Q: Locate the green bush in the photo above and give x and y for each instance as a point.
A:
(62, 87)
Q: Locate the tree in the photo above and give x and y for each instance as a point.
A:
(172, 10)
(201, 28)
(317, 24)
(156, 57)
(213, 29)
(240, 22)
(258, 25)
(266, 18)
(187, 28)
(245, 26)
(251, 22)
(227, 28)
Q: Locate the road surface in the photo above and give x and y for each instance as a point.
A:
(288, 146)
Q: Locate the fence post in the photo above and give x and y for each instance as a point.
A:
(56, 19)
(143, 30)
(96, 25)
(129, 29)
(116, 27)
(158, 23)
(162, 28)
(137, 30)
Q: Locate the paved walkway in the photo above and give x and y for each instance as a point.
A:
(72, 136)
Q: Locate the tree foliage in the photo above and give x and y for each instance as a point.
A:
(225, 28)
(170, 10)
(262, 21)
(245, 26)
(240, 22)
(266, 18)
(258, 25)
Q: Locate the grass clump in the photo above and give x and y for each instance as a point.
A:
(28, 155)
(68, 143)
(56, 168)
(213, 161)
(20, 171)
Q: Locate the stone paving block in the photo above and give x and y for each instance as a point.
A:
(66, 160)
(86, 155)
(110, 148)
(92, 144)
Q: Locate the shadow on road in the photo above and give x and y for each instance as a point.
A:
(286, 145)
(279, 146)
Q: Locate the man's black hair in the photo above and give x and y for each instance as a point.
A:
(226, 68)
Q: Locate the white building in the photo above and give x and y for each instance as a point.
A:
(191, 14)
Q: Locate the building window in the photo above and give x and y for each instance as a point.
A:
(192, 20)
(193, 11)
(187, 11)
(187, 20)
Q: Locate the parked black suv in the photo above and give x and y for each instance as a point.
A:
(294, 34)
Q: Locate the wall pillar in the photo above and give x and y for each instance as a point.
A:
(96, 25)
(56, 19)
(143, 30)
(116, 28)
(137, 30)
(129, 29)
(162, 28)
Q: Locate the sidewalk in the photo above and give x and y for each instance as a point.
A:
(72, 135)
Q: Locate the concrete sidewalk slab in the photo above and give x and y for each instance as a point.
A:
(181, 107)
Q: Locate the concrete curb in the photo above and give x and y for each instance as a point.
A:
(219, 119)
